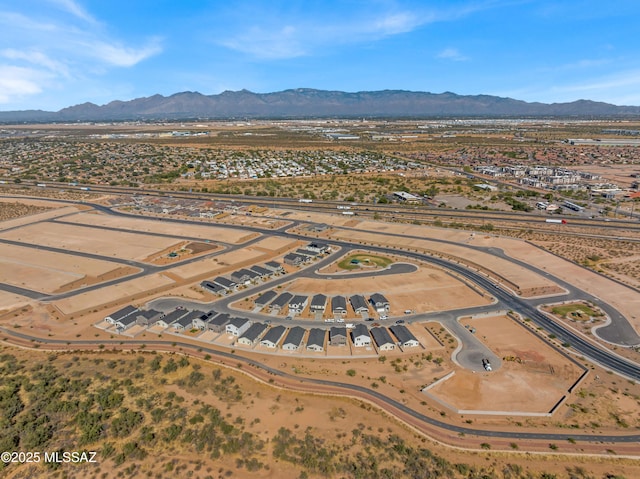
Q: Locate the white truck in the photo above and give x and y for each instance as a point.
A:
(486, 365)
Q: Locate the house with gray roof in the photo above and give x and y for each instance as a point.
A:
(274, 266)
(295, 259)
(406, 339)
(318, 303)
(273, 336)
(171, 317)
(243, 276)
(237, 326)
(307, 252)
(339, 306)
(218, 322)
(338, 336)
(379, 302)
(315, 341)
(265, 298)
(359, 304)
(148, 317)
(280, 302)
(382, 338)
(226, 283)
(116, 316)
(126, 322)
(294, 339)
(318, 247)
(252, 335)
(201, 321)
(360, 336)
(298, 303)
(186, 322)
(263, 273)
(213, 287)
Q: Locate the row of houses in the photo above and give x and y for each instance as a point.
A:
(306, 254)
(297, 303)
(361, 336)
(249, 333)
(292, 338)
(243, 277)
(129, 316)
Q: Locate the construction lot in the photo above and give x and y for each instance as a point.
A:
(96, 245)
(533, 378)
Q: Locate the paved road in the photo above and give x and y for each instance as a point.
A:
(504, 299)
(507, 301)
(346, 387)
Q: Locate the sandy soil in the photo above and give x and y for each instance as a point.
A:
(55, 212)
(46, 271)
(91, 240)
(117, 294)
(10, 301)
(518, 277)
(180, 252)
(204, 232)
(425, 290)
(534, 385)
(622, 298)
(626, 300)
(277, 244)
(222, 263)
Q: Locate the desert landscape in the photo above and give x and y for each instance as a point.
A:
(469, 370)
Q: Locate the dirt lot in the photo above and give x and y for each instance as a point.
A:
(46, 271)
(622, 298)
(102, 242)
(204, 232)
(533, 382)
(53, 210)
(119, 294)
(9, 301)
(222, 263)
(428, 289)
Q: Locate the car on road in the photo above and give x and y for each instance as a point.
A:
(289, 318)
(384, 316)
(400, 321)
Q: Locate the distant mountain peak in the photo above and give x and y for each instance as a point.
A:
(309, 102)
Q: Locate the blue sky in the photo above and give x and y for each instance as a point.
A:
(58, 53)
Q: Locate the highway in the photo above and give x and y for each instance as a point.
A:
(605, 358)
(505, 300)
(527, 308)
(421, 213)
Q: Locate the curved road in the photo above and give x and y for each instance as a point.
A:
(360, 390)
(505, 300)
(605, 358)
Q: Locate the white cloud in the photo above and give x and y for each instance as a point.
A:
(18, 82)
(452, 54)
(47, 49)
(75, 9)
(619, 88)
(274, 37)
(35, 57)
(611, 88)
(122, 56)
(269, 44)
(396, 23)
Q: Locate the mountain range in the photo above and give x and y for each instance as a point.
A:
(309, 103)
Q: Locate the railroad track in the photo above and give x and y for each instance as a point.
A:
(398, 212)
